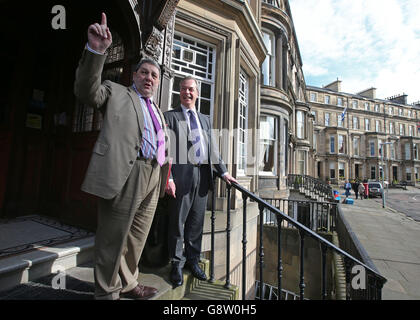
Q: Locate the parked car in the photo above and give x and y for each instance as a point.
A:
(375, 189)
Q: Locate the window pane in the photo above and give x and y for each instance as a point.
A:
(300, 124)
(265, 72)
(267, 41)
(205, 90)
(205, 106)
(201, 60)
(176, 52)
(268, 144)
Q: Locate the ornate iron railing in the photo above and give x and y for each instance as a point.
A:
(310, 185)
(374, 281)
(317, 216)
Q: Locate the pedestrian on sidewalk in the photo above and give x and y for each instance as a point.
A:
(361, 189)
(347, 186)
(355, 187)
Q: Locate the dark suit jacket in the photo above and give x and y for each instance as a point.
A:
(115, 151)
(181, 171)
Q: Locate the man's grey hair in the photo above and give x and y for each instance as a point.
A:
(148, 61)
(188, 78)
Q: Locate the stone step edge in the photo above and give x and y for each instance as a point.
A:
(32, 265)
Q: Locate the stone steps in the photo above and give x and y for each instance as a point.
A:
(41, 258)
(77, 283)
(32, 247)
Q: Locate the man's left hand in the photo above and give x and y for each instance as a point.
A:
(229, 179)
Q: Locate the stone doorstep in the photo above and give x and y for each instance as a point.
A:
(80, 285)
(191, 287)
(19, 269)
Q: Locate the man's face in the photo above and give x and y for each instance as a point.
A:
(189, 93)
(146, 79)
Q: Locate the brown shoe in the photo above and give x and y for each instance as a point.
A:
(140, 293)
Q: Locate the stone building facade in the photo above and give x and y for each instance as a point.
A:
(221, 45)
(245, 56)
(375, 137)
(285, 130)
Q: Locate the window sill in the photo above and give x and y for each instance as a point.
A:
(267, 174)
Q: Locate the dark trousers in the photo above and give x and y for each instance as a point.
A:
(186, 219)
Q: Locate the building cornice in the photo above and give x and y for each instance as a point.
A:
(249, 23)
(359, 97)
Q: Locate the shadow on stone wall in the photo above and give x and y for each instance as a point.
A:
(290, 242)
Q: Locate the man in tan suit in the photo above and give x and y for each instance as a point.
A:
(128, 168)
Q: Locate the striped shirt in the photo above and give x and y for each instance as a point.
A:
(148, 144)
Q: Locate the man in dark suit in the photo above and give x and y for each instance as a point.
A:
(128, 169)
(191, 178)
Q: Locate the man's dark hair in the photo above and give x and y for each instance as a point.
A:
(149, 61)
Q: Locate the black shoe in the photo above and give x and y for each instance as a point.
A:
(176, 276)
(196, 271)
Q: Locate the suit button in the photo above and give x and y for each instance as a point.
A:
(131, 162)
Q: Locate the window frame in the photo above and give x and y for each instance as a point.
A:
(332, 144)
(185, 43)
(300, 125)
(271, 58)
(243, 108)
(274, 140)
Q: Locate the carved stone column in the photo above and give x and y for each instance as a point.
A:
(157, 27)
(166, 72)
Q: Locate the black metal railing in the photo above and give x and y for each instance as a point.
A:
(374, 281)
(317, 216)
(313, 186)
(270, 292)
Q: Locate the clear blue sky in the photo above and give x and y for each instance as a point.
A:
(364, 43)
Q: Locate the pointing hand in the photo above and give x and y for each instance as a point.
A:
(99, 36)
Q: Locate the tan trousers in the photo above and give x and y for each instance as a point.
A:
(123, 225)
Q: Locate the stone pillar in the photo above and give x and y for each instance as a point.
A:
(279, 60)
(157, 29)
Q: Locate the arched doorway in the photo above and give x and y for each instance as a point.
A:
(45, 145)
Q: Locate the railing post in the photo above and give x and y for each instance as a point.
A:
(261, 208)
(378, 289)
(324, 271)
(348, 278)
(244, 242)
(280, 262)
(227, 284)
(302, 277)
(213, 219)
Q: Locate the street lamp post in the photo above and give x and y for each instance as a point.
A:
(383, 171)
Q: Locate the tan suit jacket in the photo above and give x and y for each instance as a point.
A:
(118, 144)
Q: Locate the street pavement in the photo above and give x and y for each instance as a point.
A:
(404, 201)
(391, 239)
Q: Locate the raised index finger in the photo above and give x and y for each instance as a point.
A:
(103, 22)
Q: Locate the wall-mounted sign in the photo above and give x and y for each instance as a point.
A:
(33, 121)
